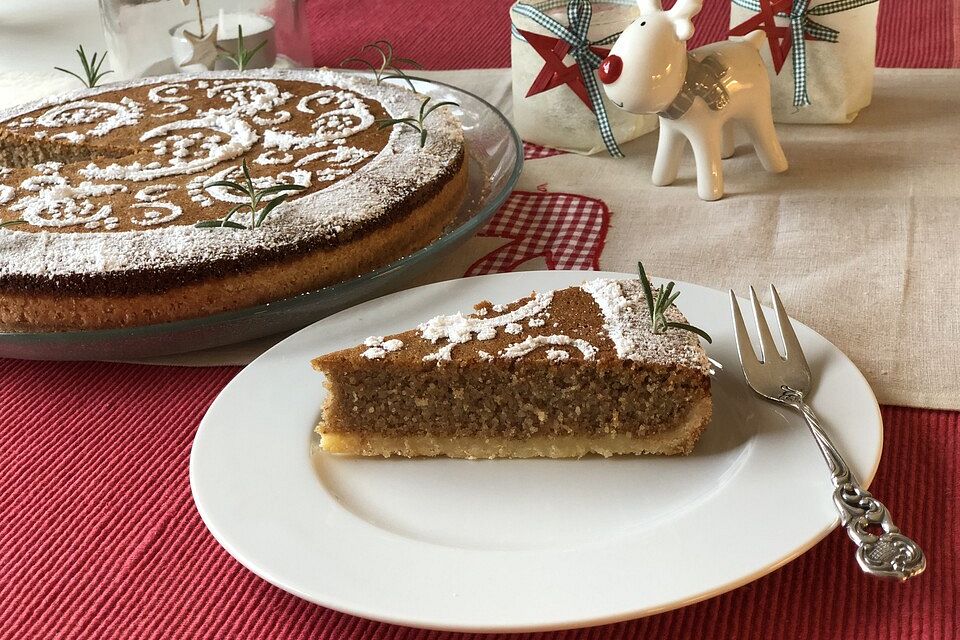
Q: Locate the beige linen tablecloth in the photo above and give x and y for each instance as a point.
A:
(861, 235)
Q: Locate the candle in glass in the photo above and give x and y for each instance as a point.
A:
(256, 29)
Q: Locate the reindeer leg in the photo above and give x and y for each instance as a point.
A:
(765, 142)
(729, 143)
(707, 145)
(669, 152)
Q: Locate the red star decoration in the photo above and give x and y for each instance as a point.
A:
(554, 72)
(779, 38)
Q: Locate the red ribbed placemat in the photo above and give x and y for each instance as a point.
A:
(99, 536)
(453, 34)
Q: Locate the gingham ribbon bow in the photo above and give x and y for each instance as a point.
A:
(802, 25)
(579, 15)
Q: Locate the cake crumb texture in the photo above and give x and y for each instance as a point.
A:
(590, 377)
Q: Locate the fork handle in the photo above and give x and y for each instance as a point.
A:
(882, 550)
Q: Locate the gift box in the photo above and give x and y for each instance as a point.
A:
(820, 57)
(557, 101)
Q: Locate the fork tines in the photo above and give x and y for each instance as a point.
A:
(760, 372)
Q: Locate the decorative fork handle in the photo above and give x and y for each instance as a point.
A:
(881, 549)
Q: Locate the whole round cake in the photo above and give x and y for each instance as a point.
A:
(110, 198)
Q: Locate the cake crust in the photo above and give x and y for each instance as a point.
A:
(678, 440)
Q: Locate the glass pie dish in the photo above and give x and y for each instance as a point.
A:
(495, 157)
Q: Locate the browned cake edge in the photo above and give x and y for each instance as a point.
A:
(148, 280)
(237, 289)
(679, 440)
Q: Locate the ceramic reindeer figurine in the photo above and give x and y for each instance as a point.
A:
(699, 95)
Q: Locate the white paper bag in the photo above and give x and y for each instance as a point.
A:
(839, 74)
(557, 117)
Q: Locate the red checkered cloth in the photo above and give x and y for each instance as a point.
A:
(565, 229)
(536, 152)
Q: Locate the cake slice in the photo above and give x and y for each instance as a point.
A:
(556, 374)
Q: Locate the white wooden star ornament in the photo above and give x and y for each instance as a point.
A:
(204, 48)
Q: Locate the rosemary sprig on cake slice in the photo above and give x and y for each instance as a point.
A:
(91, 68)
(658, 304)
(417, 124)
(242, 56)
(255, 195)
(388, 68)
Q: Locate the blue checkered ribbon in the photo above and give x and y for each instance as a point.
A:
(579, 14)
(802, 25)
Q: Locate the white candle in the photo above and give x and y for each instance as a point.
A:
(256, 29)
(228, 26)
(252, 23)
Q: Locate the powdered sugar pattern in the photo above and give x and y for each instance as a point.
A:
(240, 136)
(169, 96)
(627, 322)
(378, 348)
(530, 343)
(49, 200)
(460, 329)
(354, 200)
(107, 116)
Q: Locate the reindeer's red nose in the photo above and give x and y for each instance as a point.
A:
(610, 69)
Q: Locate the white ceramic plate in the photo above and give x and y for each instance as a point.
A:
(515, 545)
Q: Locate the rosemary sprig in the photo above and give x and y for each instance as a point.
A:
(242, 56)
(248, 189)
(658, 305)
(91, 68)
(388, 63)
(416, 123)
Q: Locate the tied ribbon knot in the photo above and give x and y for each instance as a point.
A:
(574, 43)
(802, 28)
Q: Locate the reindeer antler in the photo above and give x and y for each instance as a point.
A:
(681, 14)
(649, 6)
(686, 8)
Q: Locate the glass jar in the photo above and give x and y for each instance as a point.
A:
(154, 37)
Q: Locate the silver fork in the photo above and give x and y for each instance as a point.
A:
(881, 549)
